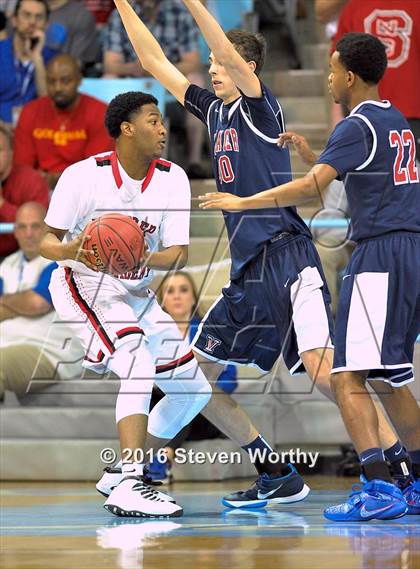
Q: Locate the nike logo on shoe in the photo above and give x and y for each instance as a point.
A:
(262, 496)
(365, 513)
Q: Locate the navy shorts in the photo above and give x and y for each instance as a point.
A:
(378, 314)
(279, 306)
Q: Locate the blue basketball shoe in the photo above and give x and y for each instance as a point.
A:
(411, 493)
(374, 500)
(269, 490)
(160, 471)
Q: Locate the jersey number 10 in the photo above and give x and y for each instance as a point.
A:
(408, 174)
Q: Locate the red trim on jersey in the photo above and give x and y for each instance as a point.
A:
(101, 159)
(116, 170)
(176, 363)
(147, 179)
(131, 330)
(164, 163)
(99, 357)
(85, 308)
(149, 176)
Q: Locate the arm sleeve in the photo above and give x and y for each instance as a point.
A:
(23, 143)
(43, 283)
(228, 380)
(197, 101)
(1, 286)
(348, 147)
(175, 229)
(65, 204)
(265, 113)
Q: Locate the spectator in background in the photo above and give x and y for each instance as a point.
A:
(396, 23)
(23, 57)
(176, 32)
(65, 127)
(178, 297)
(3, 22)
(82, 38)
(28, 349)
(18, 184)
(100, 10)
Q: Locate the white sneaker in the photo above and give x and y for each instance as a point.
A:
(133, 497)
(113, 476)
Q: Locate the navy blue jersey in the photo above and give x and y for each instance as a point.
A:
(246, 161)
(374, 153)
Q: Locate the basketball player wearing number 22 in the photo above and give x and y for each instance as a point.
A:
(116, 317)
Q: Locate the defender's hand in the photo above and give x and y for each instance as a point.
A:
(220, 200)
(300, 144)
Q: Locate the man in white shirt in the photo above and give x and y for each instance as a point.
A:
(31, 341)
(118, 320)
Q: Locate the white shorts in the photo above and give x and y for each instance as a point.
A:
(103, 314)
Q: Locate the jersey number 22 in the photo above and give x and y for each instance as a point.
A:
(408, 174)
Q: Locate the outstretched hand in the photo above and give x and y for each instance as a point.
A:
(220, 200)
(300, 144)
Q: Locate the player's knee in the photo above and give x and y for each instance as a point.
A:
(132, 361)
(204, 394)
(338, 384)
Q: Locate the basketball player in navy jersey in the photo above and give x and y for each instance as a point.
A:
(277, 302)
(378, 319)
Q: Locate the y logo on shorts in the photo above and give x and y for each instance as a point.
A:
(211, 343)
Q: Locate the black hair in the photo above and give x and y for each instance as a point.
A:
(363, 54)
(122, 107)
(252, 47)
(44, 2)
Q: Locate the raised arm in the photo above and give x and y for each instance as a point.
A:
(223, 50)
(150, 54)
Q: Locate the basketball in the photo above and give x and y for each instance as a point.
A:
(117, 242)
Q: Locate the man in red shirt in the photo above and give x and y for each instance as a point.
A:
(18, 185)
(396, 23)
(65, 127)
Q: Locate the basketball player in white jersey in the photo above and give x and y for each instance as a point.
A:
(118, 320)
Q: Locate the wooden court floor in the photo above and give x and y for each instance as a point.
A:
(63, 525)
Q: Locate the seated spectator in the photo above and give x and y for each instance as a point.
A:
(27, 349)
(177, 34)
(3, 22)
(23, 57)
(178, 297)
(56, 131)
(18, 184)
(82, 39)
(100, 9)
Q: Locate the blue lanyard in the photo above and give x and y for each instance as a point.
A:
(24, 75)
(22, 266)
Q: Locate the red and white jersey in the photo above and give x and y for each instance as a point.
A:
(396, 23)
(160, 203)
